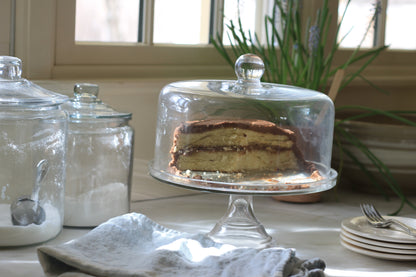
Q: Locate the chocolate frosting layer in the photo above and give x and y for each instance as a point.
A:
(257, 125)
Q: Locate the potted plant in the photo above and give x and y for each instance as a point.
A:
(300, 54)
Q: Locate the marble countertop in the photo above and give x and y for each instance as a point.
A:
(312, 229)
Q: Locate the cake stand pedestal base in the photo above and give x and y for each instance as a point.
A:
(240, 227)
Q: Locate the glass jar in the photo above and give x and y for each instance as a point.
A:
(99, 160)
(32, 129)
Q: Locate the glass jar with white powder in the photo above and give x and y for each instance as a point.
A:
(99, 159)
(32, 132)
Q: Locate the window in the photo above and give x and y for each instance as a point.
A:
(188, 22)
(400, 23)
(174, 22)
(182, 21)
(145, 49)
(148, 56)
(357, 25)
(107, 21)
(393, 25)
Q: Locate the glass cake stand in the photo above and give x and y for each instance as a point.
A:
(239, 225)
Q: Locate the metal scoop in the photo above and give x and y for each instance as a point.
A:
(27, 210)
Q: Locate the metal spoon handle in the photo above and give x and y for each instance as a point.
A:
(41, 170)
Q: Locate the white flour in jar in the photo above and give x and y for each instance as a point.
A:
(11, 235)
(96, 206)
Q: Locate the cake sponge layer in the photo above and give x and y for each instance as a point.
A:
(238, 161)
(230, 137)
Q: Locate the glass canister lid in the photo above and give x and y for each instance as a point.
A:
(17, 91)
(86, 105)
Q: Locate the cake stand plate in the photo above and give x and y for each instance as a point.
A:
(239, 225)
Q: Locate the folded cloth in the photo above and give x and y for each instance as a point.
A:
(134, 245)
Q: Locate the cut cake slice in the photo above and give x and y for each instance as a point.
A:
(231, 146)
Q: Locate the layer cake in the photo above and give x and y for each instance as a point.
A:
(231, 146)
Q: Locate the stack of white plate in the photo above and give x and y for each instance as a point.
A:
(384, 243)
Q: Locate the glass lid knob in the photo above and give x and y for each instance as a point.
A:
(10, 68)
(85, 92)
(249, 68)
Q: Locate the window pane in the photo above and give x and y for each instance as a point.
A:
(400, 24)
(357, 25)
(107, 20)
(247, 11)
(181, 21)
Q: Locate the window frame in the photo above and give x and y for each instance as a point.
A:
(69, 52)
(146, 54)
(44, 41)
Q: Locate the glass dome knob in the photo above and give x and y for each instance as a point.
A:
(10, 68)
(85, 91)
(249, 68)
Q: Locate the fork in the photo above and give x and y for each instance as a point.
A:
(376, 220)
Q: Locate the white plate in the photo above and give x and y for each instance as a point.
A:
(378, 248)
(376, 254)
(401, 246)
(359, 226)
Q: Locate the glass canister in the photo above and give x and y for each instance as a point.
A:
(32, 139)
(99, 159)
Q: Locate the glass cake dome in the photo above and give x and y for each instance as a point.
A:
(244, 136)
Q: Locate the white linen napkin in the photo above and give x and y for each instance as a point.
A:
(133, 245)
